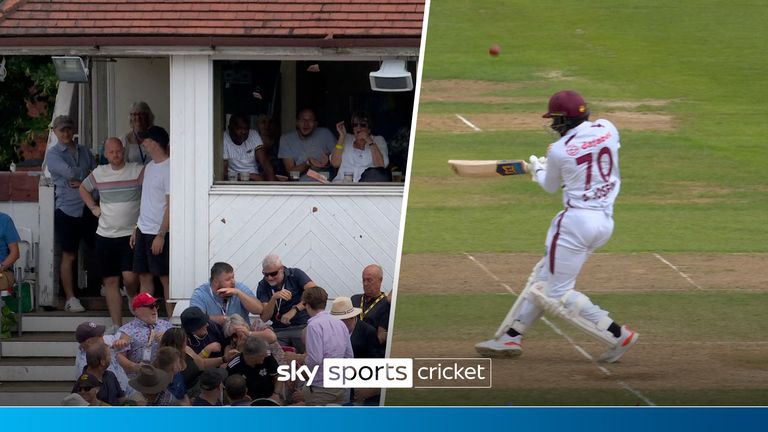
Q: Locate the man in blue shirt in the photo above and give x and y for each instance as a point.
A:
(69, 164)
(9, 250)
(221, 296)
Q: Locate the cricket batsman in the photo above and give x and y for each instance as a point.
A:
(584, 163)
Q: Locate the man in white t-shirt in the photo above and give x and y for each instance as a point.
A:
(150, 239)
(119, 186)
(242, 149)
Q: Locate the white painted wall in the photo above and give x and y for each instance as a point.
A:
(137, 79)
(330, 232)
(191, 101)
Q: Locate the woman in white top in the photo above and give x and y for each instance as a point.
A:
(356, 152)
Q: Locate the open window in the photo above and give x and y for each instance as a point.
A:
(272, 93)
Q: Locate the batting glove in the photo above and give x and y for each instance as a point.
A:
(535, 166)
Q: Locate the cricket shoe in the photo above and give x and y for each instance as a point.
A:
(627, 339)
(505, 346)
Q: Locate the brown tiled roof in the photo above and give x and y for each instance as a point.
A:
(275, 19)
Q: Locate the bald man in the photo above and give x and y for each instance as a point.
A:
(373, 302)
(119, 186)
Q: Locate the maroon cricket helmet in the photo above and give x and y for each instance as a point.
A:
(567, 103)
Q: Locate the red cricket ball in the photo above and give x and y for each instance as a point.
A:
(494, 50)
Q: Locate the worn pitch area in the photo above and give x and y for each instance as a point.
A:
(694, 349)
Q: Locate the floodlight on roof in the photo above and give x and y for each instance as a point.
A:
(70, 69)
(393, 76)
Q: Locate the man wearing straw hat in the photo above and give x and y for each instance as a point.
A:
(365, 344)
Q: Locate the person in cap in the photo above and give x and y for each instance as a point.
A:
(88, 334)
(326, 338)
(205, 337)
(141, 119)
(259, 368)
(151, 385)
(87, 386)
(150, 240)
(140, 338)
(237, 390)
(69, 164)
(211, 388)
(222, 296)
(119, 187)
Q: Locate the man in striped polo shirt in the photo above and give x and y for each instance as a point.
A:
(119, 187)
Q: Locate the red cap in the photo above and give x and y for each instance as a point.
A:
(567, 103)
(144, 299)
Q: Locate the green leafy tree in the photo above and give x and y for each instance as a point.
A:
(27, 97)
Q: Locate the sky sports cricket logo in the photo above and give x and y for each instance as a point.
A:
(393, 373)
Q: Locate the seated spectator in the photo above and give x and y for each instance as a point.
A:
(364, 338)
(88, 386)
(141, 119)
(193, 364)
(98, 359)
(88, 334)
(222, 296)
(308, 147)
(259, 369)
(357, 152)
(374, 303)
(140, 338)
(280, 294)
(237, 330)
(244, 152)
(205, 337)
(151, 385)
(326, 337)
(210, 388)
(268, 134)
(169, 360)
(237, 390)
(9, 251)
(365, 344)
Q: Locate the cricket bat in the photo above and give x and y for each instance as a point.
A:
(488, 168)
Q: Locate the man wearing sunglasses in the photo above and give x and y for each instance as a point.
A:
(280, 294)
(222, 296)
(140, 338)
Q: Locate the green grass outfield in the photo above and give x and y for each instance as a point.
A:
(701, 187)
